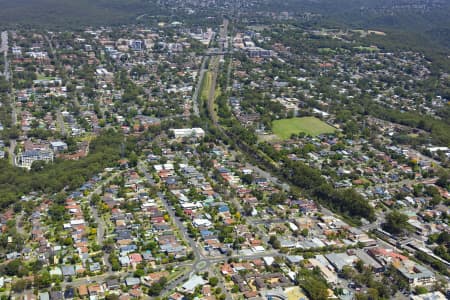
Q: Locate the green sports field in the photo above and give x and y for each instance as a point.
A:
(284, 128)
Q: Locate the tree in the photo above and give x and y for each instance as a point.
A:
(213, 281)
(20, 285)
(133, 159)
(359, 266)
(444, 179)
(443, 238)
(112, 297)
(396, 222)
(42, 280)
(419, 290)
(114, 260)
(157, 287)
(373, 294)
(274, 242)
(347, 272)
(95, 198)
(314, 288)
(38, 165)
(14, 268)
(247, 178)
(36, 266)
(247, 209)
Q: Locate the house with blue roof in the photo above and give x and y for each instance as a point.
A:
(223, 209)
(223, 170)
(124, 250)
(206, 233)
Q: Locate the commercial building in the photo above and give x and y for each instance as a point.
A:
(417, 275)
(188, 133)
(26, 158)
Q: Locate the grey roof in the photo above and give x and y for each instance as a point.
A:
(367, 259)
(294, 259)
(130, 281)
(68, 270)
(56, 295)
(112, 283)
(339, 260)
(95, 267)
(419, 272)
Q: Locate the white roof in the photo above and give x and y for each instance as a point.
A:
(76, 222)
(58, 144)
(258, 249)
(193, 282)
(188, 131)
(201, 222)
(188, 205)
(168, 166)
(434, 149)
(268, 260)
(429, 296)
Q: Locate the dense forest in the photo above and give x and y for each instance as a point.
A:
(71, 14)
(439, 129)
(345, 201)
(427, 20)
(105, 151)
